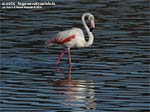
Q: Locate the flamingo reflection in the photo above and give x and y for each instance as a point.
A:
(77, 94)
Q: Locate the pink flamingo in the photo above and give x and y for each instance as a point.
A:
(74, 37)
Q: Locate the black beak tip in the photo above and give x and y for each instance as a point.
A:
(91, 29)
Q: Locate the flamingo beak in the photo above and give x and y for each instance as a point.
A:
(92, 25)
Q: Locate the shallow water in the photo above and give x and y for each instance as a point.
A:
(111, 75)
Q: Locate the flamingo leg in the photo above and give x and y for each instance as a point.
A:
(69, 56)
(60, 57)
(69, 74)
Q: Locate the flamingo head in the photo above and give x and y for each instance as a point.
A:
(92, 24)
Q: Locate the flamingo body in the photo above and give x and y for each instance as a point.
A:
(73, 37)
(70, 38)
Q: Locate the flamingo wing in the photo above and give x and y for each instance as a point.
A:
(67, 38)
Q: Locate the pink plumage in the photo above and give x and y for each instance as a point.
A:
(73, 37)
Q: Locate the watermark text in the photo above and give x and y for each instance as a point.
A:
(25, 5)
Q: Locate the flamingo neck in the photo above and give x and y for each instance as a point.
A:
(90, 34)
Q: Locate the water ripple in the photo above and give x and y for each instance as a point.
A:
(111, 75)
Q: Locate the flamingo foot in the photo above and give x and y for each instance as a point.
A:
(57, 62)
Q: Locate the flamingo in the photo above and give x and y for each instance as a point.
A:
(74, 37)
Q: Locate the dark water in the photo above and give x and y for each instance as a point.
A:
(111, 75)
